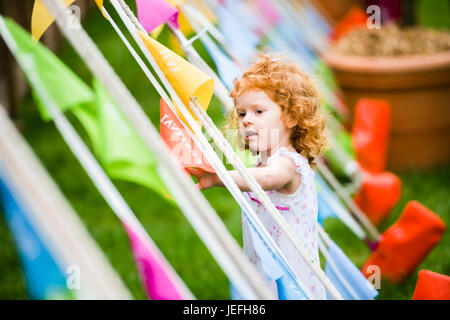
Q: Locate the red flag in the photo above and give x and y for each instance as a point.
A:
(177, 138)
(405, 244)
(378, 194)
(370, 133)
(432, 286)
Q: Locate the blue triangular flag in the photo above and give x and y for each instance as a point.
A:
(44, 278)
(317, 20)
(234, 293)
(297, 43)
(227, 69)
(327, 201)
(352, 275)
(287, 288)
(237, 34)
(324, 210)
(271, 268)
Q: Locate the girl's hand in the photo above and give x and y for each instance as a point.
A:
(206, 179)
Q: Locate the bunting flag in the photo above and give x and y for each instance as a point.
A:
(237, 34)
(62, 84)
(379, 192)
(431, 286)
(179, 142)
(41, 19)
(405, 244)
(100, 6)
(152, 13)
(186, 80)
(159, 281)
(336, 107)
(370, 133)
(175, 3)
(324, 209)
(44, 278)
(354, 278)
(234, 293)
(157, 31)
(99, 3)
(121, 152)
(334, 161)
(124, 156)
(297, 42)
(287, 288)
(227, 69)
(330, 206)
(247, 157)
(205, 11)
(174, 45)
(269, 12)
(184, 24)
(311, 13)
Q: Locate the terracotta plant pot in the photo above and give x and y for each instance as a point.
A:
(418, 90)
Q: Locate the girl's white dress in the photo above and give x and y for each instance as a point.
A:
(300, 211)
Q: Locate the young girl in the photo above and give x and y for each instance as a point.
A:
(277, 114)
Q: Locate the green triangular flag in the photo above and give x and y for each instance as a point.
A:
(87, 115)
(122, 153)
(61, 83)
(344, 139)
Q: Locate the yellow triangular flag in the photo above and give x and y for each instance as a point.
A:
(175, 45)
(187, 80)
(210, 15)
(157, 31)
(99, 3)
(41, 19)
(185, 26)
(100, 6)
(176, 3)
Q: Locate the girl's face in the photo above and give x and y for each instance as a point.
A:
(260, 122)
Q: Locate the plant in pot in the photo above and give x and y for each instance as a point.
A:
(405, 62)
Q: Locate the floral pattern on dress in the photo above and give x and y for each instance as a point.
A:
(300, 212)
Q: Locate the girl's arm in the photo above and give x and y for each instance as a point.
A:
(280, 172)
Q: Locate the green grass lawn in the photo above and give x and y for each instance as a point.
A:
(165, 223)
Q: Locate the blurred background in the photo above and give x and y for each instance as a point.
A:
(404, 61)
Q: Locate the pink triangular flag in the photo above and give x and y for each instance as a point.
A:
(269, 11)
(159, 279)
(152, 13)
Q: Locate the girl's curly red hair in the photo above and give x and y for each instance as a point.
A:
(293, 91)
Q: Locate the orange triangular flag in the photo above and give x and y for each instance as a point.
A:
(179, 142)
